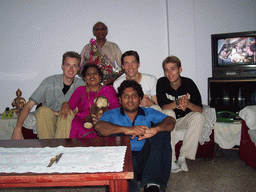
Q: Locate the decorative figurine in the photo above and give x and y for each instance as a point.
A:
(18, 102)
(7, 113)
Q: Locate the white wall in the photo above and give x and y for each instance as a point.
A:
(35, 34)
(191, 24)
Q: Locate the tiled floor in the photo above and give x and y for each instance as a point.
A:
(226, 172)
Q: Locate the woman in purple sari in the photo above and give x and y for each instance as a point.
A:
(83, 98)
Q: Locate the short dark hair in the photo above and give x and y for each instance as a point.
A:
(71, 54)
(172, 59)
(89, 65)
(130, 53)
(99, 22)
(130, 83)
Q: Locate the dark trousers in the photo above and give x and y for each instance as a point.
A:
(153, 163)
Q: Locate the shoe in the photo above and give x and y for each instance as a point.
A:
(175, 168)
(182, 163)
(151, 188)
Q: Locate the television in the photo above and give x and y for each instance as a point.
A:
(234, 55)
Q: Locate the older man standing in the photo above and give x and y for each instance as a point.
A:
(109, 50)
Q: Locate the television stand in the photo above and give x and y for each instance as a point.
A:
(231, 94)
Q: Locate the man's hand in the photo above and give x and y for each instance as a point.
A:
(17, 134)
(64, 111)
(149, 133)
(146, 102)
(183, 102)
(136, 130)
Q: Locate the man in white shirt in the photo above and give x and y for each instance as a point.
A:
(130, 63)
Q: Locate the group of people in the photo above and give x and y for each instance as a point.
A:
(140, 106)
(235, 50)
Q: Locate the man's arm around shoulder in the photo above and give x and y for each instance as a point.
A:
(17, 132)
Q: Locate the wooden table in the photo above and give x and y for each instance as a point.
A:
(117, 181)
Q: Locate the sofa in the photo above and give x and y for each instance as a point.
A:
(206, 150)
(248, 136)
(206, 146)
(247, 147)
(29, 125)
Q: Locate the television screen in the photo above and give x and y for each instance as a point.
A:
(237, 50)
(234, 55)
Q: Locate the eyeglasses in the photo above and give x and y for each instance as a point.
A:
(100, 29)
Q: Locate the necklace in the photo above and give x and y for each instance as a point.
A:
(88, 93)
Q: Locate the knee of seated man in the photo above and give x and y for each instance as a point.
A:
(160, 140)
(198, 117)
(170, 113)
(43, 110)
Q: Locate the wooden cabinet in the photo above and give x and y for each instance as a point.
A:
(231, 94)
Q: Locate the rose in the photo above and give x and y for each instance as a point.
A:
(102, 67)
(109, 66)
(109, 71)
(93, 41)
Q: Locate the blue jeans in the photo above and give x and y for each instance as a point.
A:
(153, 163)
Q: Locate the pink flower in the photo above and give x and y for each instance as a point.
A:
(109, 71)
(102, 67)
(93, 41)
(109, 66)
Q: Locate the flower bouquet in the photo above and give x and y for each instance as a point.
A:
(97, 57)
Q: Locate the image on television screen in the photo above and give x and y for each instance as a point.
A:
(239, 50)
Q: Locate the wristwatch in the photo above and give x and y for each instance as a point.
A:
(177, 103)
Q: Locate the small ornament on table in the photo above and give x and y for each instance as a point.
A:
(18, 103)
(7, 114)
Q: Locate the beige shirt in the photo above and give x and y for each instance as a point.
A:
(111, 49)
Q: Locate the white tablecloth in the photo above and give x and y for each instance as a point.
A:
(227, 135)
(73, 160)
(6, 127)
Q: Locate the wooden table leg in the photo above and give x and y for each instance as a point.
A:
(118, 186)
